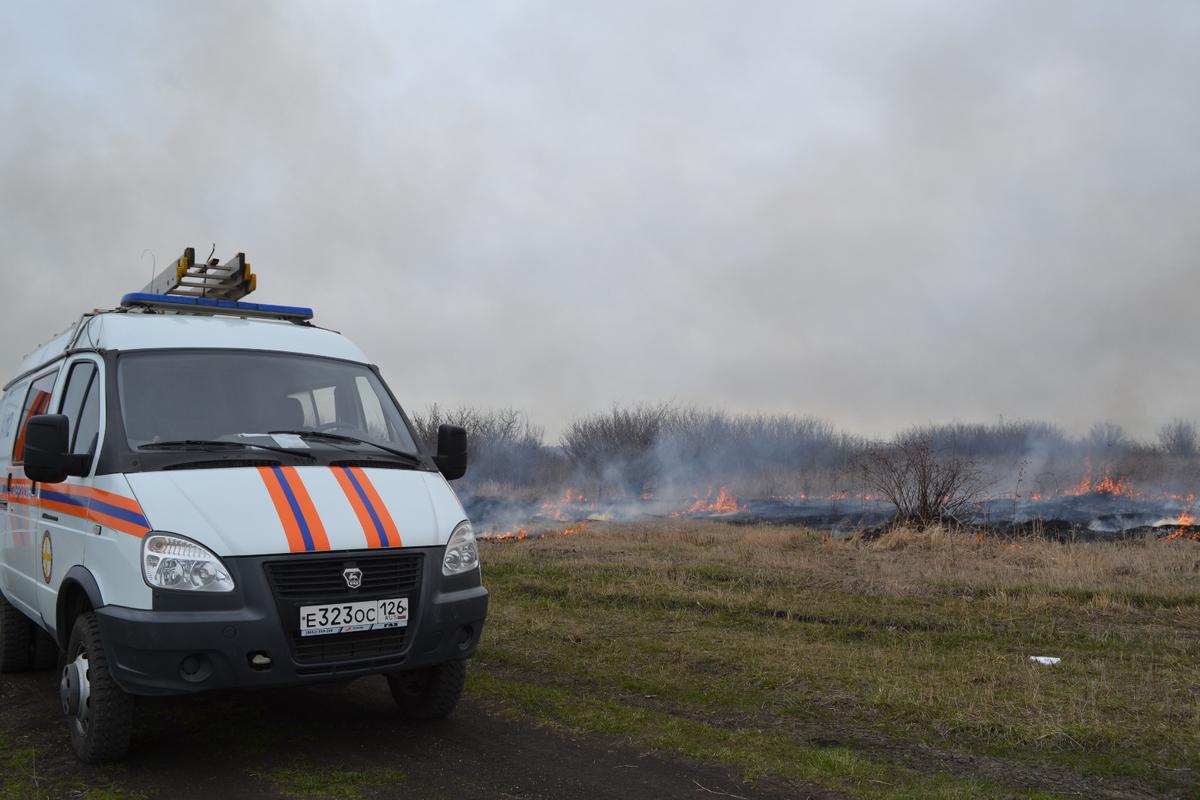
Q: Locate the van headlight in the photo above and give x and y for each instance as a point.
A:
(173, 562)
(461, 553)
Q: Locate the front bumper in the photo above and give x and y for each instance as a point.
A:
(174, 650)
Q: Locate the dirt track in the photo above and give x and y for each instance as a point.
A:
(232, 745)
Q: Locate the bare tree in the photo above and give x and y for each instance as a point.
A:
(927, 482)
(1106, 438)
(505, 445)
(618, 446)
(1178, 438)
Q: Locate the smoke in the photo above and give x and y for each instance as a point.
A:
(636, 462)
(880, 215)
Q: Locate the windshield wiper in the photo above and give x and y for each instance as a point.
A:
(211, 444)
(341, 437)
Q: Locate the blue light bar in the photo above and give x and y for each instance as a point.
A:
(214, 306)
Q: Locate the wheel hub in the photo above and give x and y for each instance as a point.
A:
(74, 689)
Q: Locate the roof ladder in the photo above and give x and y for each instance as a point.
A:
(209, 288)
(232, 280)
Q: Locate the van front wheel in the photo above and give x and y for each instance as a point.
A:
(429, 693)
(16, 636)
(99, 714)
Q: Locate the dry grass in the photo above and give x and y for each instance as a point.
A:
(912, 644)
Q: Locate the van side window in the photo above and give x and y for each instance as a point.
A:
(78, 380)
(81, 404)
(37, 401)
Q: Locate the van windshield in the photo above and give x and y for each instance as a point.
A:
(228, 395)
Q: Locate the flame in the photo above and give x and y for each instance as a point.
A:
(514, 535)
(1117, 487)
(557, 508)
(522, 533)
(725, 502)
(1182, 533)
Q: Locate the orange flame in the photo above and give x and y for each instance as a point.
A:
(725, 502)
(514, 535)
(522, 533)
(556, 508)
(1118, 487)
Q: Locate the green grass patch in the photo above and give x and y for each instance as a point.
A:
(903, 648)
(21, 778)
(323, 782)
(754, 752)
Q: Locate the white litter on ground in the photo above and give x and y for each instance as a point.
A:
(1048, 660)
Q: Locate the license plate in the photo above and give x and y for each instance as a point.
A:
(369, 615)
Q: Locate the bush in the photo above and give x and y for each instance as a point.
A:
(1106, 439)
(617, 446)
(927, 480)
(503, 445)
(1178, 438)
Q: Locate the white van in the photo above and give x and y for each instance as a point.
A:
(205, 494)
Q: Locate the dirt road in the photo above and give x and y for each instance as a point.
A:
(334, 741)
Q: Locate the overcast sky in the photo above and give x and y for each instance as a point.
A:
(879, 213)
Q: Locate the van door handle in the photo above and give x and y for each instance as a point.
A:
(50, 517)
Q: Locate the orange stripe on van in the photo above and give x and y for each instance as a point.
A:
(311, 517)
(360, 511)
(381, 511)
(92, 515)
(118, 500)
(291, 528)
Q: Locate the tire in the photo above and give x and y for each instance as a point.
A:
(105, 734)
(430, 693)
(16, 638)
(45, 650)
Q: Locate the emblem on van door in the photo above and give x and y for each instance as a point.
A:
(353, 577)
(47, 557)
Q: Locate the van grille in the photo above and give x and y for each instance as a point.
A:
(307, 580)
(316, 579)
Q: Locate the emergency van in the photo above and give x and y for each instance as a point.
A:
(201, 492)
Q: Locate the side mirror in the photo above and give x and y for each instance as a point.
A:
(451, 456)
(46, 456)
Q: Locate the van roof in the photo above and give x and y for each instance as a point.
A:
(120, 330)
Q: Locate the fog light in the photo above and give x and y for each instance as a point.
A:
(195, 668)
(466, 636)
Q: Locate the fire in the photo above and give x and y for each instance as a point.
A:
(514, 535)
(522, 533)
(556, 508)
(1117, 487)
(725, 502)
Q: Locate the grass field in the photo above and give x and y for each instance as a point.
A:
(894, 668)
